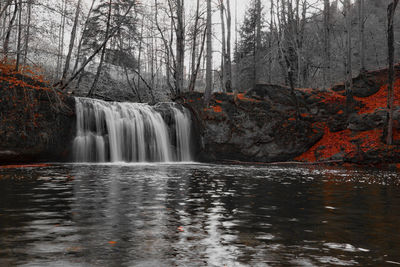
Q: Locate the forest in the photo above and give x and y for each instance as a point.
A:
(158, 51)
(154, 50)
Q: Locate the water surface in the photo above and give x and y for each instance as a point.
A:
(198, 215)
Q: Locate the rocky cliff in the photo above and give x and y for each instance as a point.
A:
(261, 125)
(36, 123)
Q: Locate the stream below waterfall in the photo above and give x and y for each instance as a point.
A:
(198, 215)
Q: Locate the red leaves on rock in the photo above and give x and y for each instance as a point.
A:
(379, 100)
(330, 145)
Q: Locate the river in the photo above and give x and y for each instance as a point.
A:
(198, 215)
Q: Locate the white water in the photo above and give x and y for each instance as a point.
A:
(129, 132)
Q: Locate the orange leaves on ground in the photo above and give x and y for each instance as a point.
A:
(379, 100)
(112, 242)
(216, 109)
(333, 98)
(244, 98)
(370, 139)
(15, 78)
(330, 145)
(343, 141)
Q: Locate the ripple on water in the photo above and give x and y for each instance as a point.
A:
(198, 215)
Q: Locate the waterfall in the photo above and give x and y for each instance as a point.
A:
(182, 129)
(130, 132)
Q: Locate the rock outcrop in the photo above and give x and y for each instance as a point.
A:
(261, 125)
(36, 123)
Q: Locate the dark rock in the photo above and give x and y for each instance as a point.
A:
(275, 93)
(366, 122)
(251, 130)
(337, 123)
(34, 125)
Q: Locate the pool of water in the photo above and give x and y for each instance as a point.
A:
(198, 215)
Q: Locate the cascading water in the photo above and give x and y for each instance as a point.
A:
(182, 129)
(129, 132)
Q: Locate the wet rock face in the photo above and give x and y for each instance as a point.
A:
(34, 126)
(261, 125)
(248, 129)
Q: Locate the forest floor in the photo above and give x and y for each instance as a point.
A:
(359, 142)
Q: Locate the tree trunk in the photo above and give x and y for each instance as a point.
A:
(61, 39)
(194, 46)
(223, 40)
(103, 52)
(257, 52)
(8, 33)
(209, 78)
(28, 29)
(327, 44)
(71, 42)
(5, 7)
(390, 98)
(271, 30)
(78, 53)
(228, 63)
(349, 73)
(196, 69)
(361, 25)
(98, 49)
(19, 36)
(180, 46)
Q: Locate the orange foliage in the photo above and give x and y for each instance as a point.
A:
(10, 75)
(330, 145)
(244, 98)
(343, 141)
(217, 109)
(370, 139)
(378, 100)
(333, 98)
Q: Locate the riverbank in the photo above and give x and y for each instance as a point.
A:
(261, 125)
(38, 124)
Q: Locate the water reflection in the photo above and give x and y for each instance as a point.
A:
(198, 215)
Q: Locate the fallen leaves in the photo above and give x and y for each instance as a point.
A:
(24, 166)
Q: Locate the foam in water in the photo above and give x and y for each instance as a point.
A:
(129, 132)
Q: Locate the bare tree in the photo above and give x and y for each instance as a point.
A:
(257, 53)
(103, 52)
(6, 5)
(209, 78)
(327, 44)
(71, 42)
(361, 26)
(8, 32)
(228, 61)
(19, 38)
(349, 73)
(223, 43)
(28, 29)
(390, 99)
(180, 45)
